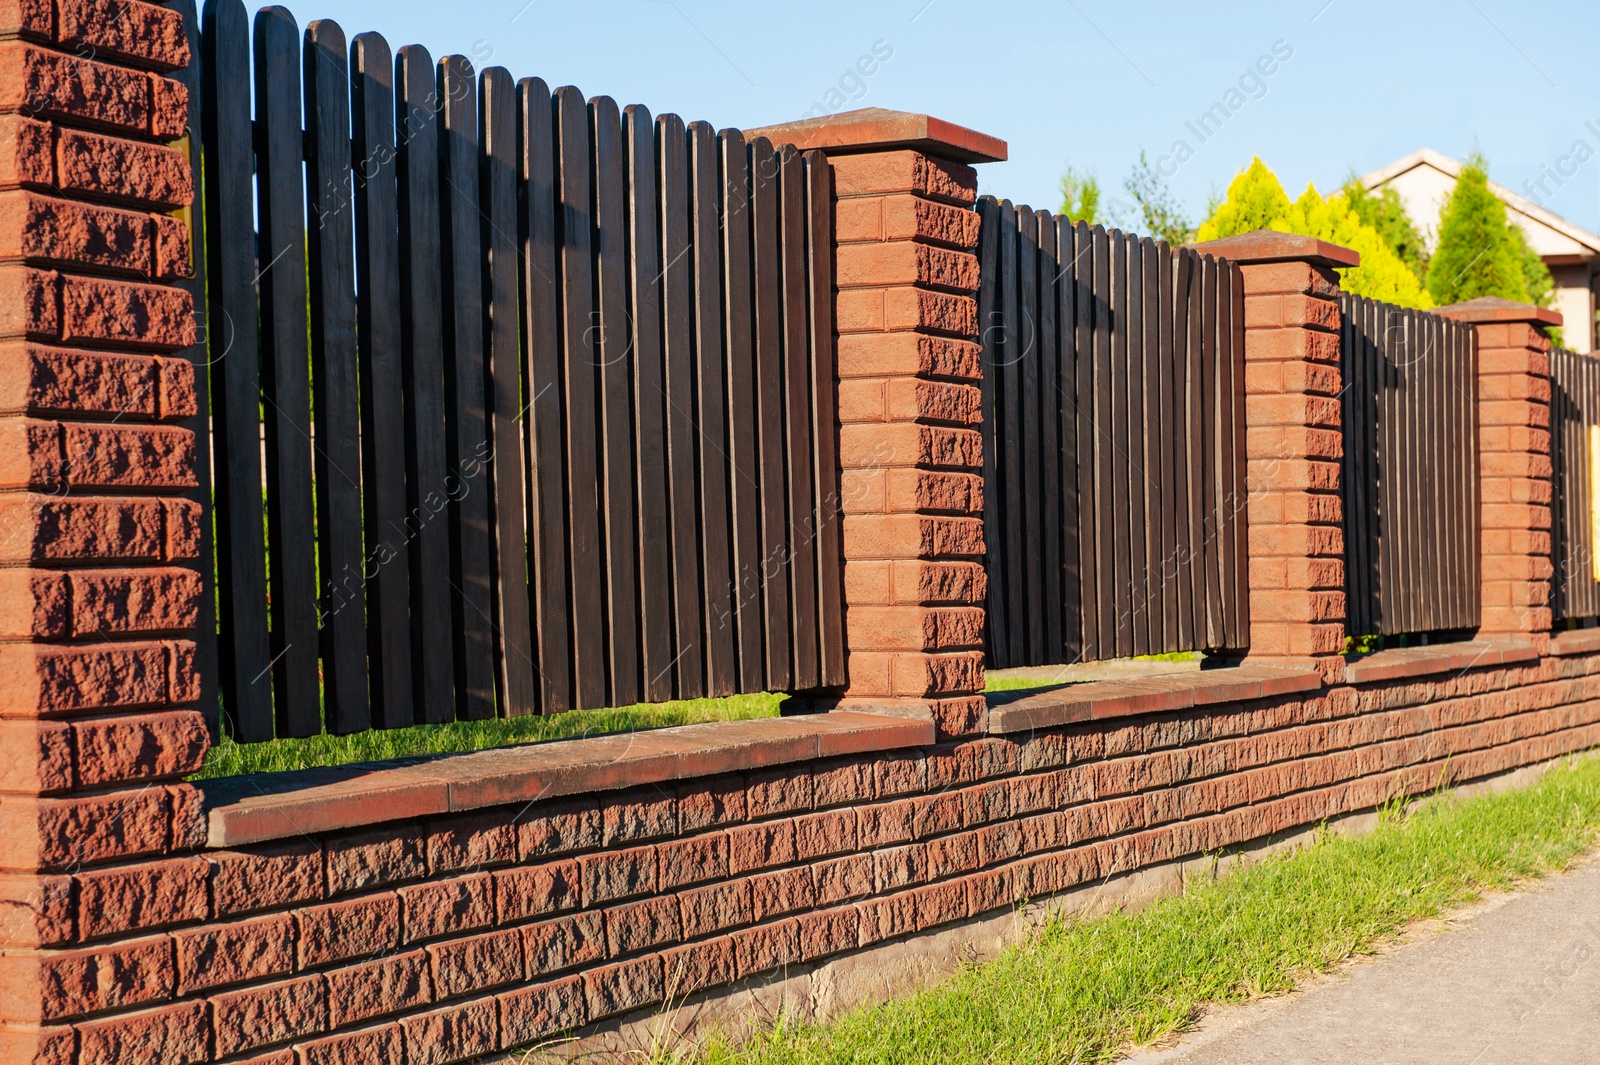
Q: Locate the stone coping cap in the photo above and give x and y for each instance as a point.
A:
(879, 129)
(1488, 309)
(1397, 663)
(250, 809)
(1270, 246)
(1575, 642)
(1024, 711)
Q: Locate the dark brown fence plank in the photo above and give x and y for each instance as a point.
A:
(1025, 364)
(768, 267)
(724, 651)
(291, 518)
(541, 312)
(1166, 436)
(744, 464)
(1049, 489)
(422, 332)
(802, 544)
(383, 470)
(1184, 485)
(1085, 245)
(1105, 445)
(654, 556)
(824, 407)
(1009, 435)
(676, 301)
(580, 321)
(1115, 444)
(467, 446)
(337, 399)
(515, 652)
(1071, 576)
(611, 353)
(1133, 443)
(1230, 425)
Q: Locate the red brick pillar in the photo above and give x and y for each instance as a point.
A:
(1513, 464)
(910, 450)
(99, 588)
(1294, 445)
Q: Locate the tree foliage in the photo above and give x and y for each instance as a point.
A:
(1477, 255)
(1256, 200)
(1080, 197)
(1159, 214)
(1384, 212)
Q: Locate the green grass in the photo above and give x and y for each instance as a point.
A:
(227, 758)
(1082, 991)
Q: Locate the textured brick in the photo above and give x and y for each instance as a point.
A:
(53, 679)
(270, 1013)
(698, 966)
(535, 890)
(625, 986)
(49, 231)
(348, 928)
(70, 983)
(125, 29)
(379, 987)
(693, 860)
(617, 874)
(50, 834)
(714, 908)
(125, 313)
(35, 911)
(532, 1014)
(463, 966)
(559, 828)
(379, 1043)
(564, 942)
(759, 846)
(471, 842)
(234, 953)
(149, 895)
(642, 925)
(136, 747)
(172, 1035)
(760, 949)
(639, 815)
(444, 907)
(265, 877)
(451, 1033)
(371, 859)
(137, 457)
(127, 171)
(710, 804)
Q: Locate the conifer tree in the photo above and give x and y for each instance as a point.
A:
(1477, 254)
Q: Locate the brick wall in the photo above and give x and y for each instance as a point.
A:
(456, 937)
(99, 591)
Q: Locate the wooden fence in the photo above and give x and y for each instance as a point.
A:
(1574, 436)
(1410, 475)
(1113, 443)
(539, 408)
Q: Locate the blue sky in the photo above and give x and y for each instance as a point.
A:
(1089, 82)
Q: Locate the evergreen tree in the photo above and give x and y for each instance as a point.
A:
(1384, 212)
(1477, 254)
(1256, 200)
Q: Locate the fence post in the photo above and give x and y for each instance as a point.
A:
(909, 448)
(1294, 445)
(1514, 464)
(99, 594)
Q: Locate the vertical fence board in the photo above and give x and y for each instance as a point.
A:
(422, 332)
(1134, 442)
(824, 407)
(797, 388)
(337, 401)
(744, 465)
(992, 341)
(653, 559)
(514, 648)
(1085, 312)
(773, 605)
(1070, 578)
(540, 313)
(1024, 493)
(1052, 597)
(383, 471)
(291, 515)
(1184, 484)
(676, 303)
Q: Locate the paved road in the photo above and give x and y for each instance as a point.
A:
(1516, 984)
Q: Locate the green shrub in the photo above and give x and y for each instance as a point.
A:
(1256, 200)
(1477, 253)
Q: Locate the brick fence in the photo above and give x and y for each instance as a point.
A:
(459, 909)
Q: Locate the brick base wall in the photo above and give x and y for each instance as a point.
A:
(459, 937)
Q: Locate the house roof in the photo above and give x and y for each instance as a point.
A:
(1588, 243)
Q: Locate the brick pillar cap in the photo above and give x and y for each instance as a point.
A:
(1487, 309)
(876, 129)
(1270, 246)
